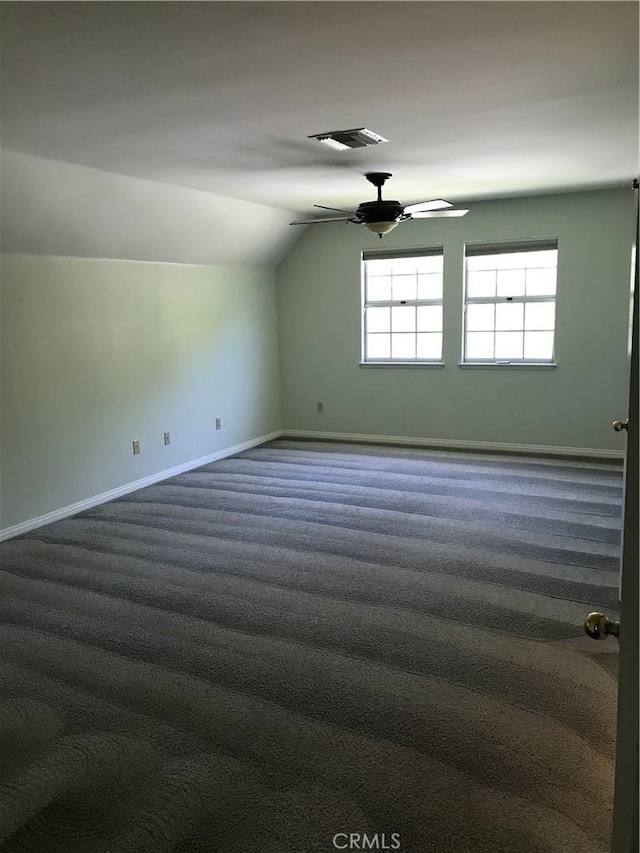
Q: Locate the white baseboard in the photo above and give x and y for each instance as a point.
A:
(104, 497)
(454, 444)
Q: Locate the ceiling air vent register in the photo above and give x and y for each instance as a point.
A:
(342, 140)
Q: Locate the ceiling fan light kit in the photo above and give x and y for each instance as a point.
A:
(380, 228)
(382, 215)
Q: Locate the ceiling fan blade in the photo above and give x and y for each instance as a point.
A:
(434, 204)
(339, 209)
(327, 219)
(432, 214)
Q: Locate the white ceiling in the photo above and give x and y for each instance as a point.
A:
(479, 99)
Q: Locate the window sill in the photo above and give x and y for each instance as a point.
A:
(513, 365)
(402, 364)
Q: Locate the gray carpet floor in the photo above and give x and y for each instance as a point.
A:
(310, 639)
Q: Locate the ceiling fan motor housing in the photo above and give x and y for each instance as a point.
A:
(380, 211)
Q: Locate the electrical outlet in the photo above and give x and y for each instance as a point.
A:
(136, 447)
(167, 438)
(218, 423)
(319, 407)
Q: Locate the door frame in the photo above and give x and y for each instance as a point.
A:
(625, 810)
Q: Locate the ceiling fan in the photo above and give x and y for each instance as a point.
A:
(382, 216)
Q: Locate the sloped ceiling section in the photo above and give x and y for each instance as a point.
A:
(55, 208)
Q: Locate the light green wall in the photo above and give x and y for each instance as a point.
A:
(570, 406)
(97, 353)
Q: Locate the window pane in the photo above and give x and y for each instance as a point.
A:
(379, 267)
(480, 345)
(481, 284)
(538, 345)
(403, 346)
(378, 346)
(510, 282)
(403, 287)
(540, 315)
(405, 266)
(510, 316)
(430, 318)
(480, 317)
(509, 344)
(403, 318)
(431, 264)
(378, 319)
(430, 346)
(547, 258)
(430, 286)
(482, 262)
(511, 260)
(541, 282)
(378, 288)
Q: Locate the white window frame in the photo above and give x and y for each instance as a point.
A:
(435, 251)
(474, 250)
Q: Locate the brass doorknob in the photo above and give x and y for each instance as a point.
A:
(620, 425)
(598, 626)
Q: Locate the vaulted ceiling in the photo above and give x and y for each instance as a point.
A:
(478, 99)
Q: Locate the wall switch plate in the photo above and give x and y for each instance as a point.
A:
(218, 423)
(167, 438)
(319, 407)
(136, 447)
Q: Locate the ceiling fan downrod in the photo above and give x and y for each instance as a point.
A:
(378, 179)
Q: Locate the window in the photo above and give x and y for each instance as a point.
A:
(402, 307)
(510, 303)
